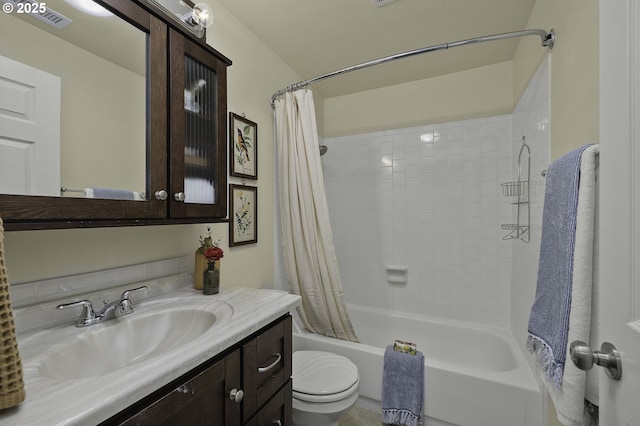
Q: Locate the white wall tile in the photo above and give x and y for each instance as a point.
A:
(437, 208)
(433, 207)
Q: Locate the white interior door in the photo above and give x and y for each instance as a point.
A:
(620, 206)
(29, 130)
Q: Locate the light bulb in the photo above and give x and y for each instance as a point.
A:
(202, 14)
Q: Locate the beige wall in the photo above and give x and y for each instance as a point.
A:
(479, 92)
(486, 91)
(574, 70)
(255, 74)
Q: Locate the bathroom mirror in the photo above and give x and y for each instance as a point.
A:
(82, 106)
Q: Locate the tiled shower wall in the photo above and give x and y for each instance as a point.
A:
(433, 205)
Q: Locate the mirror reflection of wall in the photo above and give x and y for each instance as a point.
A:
(103, 94)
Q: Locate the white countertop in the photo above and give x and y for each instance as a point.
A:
(91, 400)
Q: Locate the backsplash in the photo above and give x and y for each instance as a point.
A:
(426, 198)
(34, 302)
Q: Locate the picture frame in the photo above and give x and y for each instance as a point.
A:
(243, 147)
(243, 215)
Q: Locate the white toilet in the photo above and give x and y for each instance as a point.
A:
(325, 387)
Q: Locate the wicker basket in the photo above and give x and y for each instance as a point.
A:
(11, 383)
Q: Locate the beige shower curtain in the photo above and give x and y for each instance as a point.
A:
(309, 254)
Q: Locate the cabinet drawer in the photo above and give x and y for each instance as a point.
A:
(266, 365)
(277, 411)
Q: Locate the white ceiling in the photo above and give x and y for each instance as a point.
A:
(315, 37)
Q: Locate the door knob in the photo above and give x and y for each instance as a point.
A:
(179, 196)
(608, 357)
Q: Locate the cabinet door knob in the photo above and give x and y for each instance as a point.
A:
(161, 195)
(236, 395)
(179, 196)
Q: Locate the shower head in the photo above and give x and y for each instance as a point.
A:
(323, 149)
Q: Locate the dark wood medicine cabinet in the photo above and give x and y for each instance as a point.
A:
(184, 139)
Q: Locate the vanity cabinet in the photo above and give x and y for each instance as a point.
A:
(259, 366)
(186, 146)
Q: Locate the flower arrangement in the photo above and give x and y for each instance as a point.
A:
(213, 253)
(211, 249)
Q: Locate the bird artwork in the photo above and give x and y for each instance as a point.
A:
(244, 139)
(244, 146)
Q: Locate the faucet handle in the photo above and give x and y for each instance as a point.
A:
(125, 294)
(87, 315)
(125, 307)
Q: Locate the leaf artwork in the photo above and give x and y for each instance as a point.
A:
(243, 218)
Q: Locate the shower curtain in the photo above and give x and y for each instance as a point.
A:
(309, 254)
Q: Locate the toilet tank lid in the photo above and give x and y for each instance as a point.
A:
(322, 373)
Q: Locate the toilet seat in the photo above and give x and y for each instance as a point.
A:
(327, 397)
(323, 376)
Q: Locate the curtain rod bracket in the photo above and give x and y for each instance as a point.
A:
(550, 39)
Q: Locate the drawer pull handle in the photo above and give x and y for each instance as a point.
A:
(277, 423)
(236, 395)
(270, 366)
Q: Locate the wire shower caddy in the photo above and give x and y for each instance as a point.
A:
(519, 189)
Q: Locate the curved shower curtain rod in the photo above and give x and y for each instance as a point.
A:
(547, 40)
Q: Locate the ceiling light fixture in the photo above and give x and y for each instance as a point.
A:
(89, 7)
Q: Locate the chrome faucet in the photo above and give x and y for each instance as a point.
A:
(110, 309)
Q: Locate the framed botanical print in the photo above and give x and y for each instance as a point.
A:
(243, 146)
(243, 223)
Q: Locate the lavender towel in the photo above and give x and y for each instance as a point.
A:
(402, 388)
(549, 318)
(113, 194)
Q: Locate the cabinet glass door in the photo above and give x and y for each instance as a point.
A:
(200, 133)
(198, 146)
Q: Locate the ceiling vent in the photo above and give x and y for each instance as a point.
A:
(49, 16)
(378, 3)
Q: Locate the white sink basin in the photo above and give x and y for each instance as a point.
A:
(115, 344)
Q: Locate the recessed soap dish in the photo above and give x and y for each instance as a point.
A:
(397, 274)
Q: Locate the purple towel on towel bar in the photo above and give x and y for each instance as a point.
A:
(549, 318)
(113, 194)
(402, 388)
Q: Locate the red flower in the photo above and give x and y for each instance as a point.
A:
(213, 253)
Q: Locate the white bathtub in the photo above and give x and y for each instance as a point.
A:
(474, 375)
